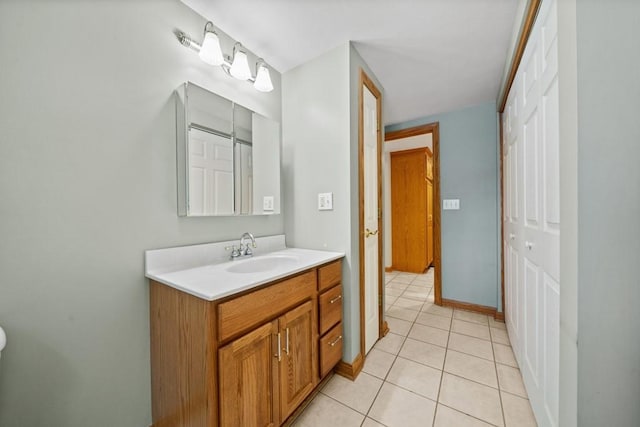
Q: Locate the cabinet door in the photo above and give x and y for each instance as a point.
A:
(297, 369)
(248, 379)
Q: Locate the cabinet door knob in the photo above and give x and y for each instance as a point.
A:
(338, 298)
(529, 245)
(512, 236)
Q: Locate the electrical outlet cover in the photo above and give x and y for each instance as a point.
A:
(267, 203)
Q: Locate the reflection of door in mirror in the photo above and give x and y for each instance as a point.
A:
(210, 174)
(243, 143)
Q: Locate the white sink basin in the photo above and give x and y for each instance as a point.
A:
(263, 263)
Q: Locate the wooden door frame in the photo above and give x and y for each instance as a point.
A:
(382, 327)
(434, 130)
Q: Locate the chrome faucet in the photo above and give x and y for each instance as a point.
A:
(245, 250)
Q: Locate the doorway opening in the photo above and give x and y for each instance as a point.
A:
(412, 214)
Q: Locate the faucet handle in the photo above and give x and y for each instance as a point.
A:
(234, 251)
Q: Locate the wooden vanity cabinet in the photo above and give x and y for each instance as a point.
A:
(246, 360)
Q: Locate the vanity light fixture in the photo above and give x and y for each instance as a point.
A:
(236, 66)
(263, 78)
(210, 51)
(240, 65)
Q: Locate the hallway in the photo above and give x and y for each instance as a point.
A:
(438, 366)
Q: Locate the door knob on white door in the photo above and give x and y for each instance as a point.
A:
(368, 233)
(529, 244)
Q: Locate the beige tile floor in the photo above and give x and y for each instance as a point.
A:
(437, 367)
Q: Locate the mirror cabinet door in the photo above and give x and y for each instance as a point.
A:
(222, 146)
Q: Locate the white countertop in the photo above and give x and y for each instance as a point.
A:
(215, 281)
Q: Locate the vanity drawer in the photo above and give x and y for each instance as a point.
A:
(330, 349)
(329, 275)
(247, 311)
(330, 308)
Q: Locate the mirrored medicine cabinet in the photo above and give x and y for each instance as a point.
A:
(228, 156)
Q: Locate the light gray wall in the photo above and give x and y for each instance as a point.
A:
(469, 172)
(608, 42)
(316, 159)
(320, 154)
(87, 183)
(568, 111)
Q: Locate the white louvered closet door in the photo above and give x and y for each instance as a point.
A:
(532, 216)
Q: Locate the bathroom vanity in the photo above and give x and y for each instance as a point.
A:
(242, 343)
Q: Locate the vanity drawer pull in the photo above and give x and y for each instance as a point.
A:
(330, 349)
(336, 341)
(338, 298)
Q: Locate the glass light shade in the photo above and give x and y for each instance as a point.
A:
(210, 52)
(263, 79)
(240, 66)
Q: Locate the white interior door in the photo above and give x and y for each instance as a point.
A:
(532, 202)
(371, 239)
(210, 174)
(244, 178)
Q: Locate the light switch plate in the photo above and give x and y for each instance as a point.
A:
(267, 203)
(325, 201)
(451, 204)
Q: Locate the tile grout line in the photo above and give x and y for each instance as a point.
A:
(404, 339)
(444, 362)
(495, 366)
(469, 415)
(343, 404)
(395, 358)
(384, 380)
(446, 350)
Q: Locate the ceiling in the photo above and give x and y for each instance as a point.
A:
(430, 56)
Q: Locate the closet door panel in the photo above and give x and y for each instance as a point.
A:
(551, 352)
(532, 216)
